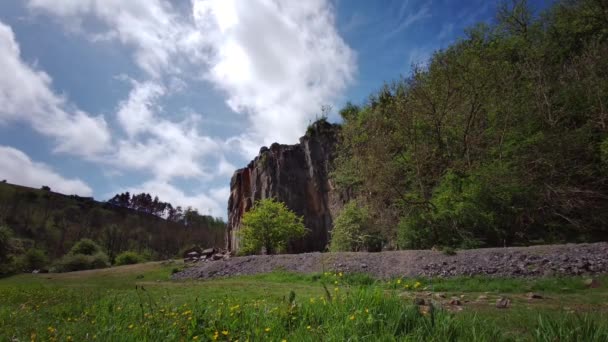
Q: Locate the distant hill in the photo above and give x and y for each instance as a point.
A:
(53, 222)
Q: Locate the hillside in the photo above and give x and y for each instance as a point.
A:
(52, 223)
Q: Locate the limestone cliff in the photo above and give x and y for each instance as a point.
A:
(297, 175)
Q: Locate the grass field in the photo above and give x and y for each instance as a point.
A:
(140, 303)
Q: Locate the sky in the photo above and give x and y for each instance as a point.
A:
(98, 97)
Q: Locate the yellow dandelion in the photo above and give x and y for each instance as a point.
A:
(225, 332)
(131, 326)
(283, 340)
(336, 289)
(267, 330)
(366, 310)
(194, 338)
(308, 327)
(407, 286)
(340, 274)
(417, 285)
(398, 281)
(336, 282)
(352, 317)
(312, 300)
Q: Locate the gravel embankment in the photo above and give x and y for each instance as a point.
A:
(536, 261)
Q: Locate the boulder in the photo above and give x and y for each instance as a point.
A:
(592, 283)
(503, 303)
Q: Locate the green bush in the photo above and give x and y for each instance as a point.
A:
(352, 231)
(78, 262)
(34, 259)
(85, 247)
(269, 225)
(129, 258)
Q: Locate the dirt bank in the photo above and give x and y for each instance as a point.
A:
(569, 259)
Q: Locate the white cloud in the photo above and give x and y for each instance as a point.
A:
(278, 62)
(151, 27)
(16, 167)
(166, 149)
(26, 95)
(206, 203)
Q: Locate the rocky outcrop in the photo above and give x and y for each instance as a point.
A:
(297, 175)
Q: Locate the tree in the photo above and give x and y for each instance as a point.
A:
(352, 230)
(270, 225)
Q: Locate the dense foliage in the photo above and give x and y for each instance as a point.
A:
(353, 232)
(269, 226)
(501, 139)
(52, 223)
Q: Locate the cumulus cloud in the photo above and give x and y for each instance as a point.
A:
(278, 62)
(165, 148)
(16, 167)
(26, 95)
(152, 27)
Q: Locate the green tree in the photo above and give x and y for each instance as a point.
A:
(352, 230)
(85, 247)
(269, 225)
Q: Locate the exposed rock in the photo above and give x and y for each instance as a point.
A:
(208, 252)
(503, 303)
(297, 175)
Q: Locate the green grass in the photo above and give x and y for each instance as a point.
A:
(140, 303)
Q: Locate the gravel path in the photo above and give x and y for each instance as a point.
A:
(570, 259)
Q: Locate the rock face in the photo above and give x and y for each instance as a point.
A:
(297, 175)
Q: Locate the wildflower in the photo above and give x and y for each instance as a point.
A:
(407, 286)
(366, 310)
(308, 327)
(417, 285)
(336, 282)
(352, 317)
(336, 289)
(69, 339)
(283, 340)
(194, 338)
(51, 330)
(225, 332)
(340, 274)
(312, 300)
(267, 330)
(398, 281)
(131, 326)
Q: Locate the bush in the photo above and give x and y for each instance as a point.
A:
(270, 225)
(352, 231)
(34, 259)
(78, 262)
(128, 258)
(85, 247)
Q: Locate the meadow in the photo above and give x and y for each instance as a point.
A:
(141, 303)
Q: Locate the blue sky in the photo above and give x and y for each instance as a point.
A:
(170, 97)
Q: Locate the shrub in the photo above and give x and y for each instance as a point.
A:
(34, 259)
(128, 258)
(85, 247)
(270, 225)
(79, 262)
(351, 231)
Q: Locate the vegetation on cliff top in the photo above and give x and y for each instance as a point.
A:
(500, 139)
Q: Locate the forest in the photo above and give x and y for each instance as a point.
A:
(39, 226)
(500, 139)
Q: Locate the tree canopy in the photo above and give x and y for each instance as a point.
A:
(269, 225)
(500, 139)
